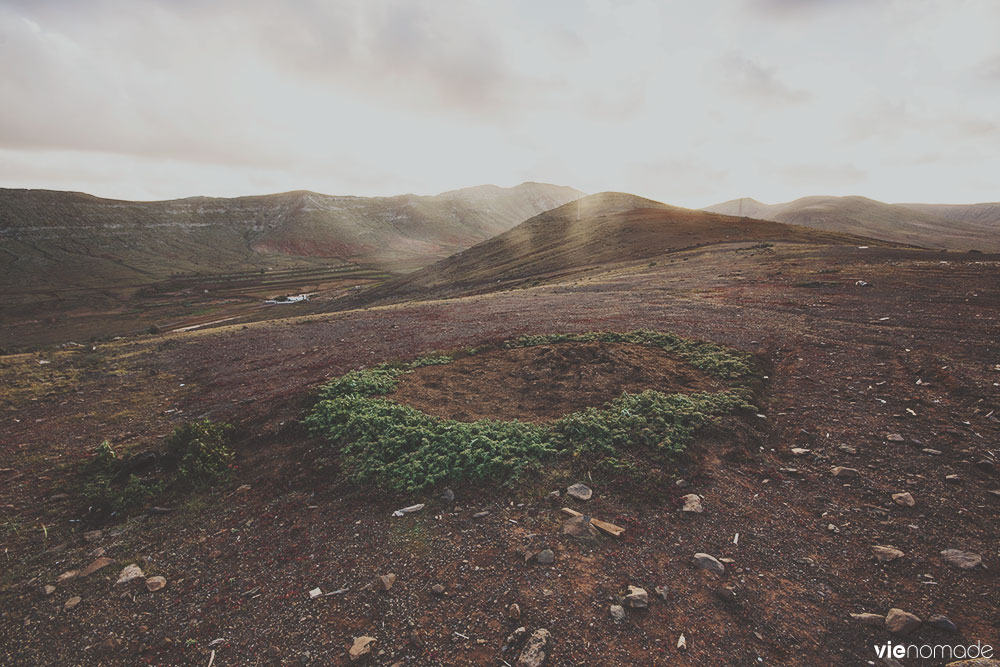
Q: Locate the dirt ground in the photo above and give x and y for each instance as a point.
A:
(544, 383)
(914, 353)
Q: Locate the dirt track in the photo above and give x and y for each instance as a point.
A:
(846, 362)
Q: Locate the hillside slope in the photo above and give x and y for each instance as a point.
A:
(62, 239)
(597, 230)
(955, 227)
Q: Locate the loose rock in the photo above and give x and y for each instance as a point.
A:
(799, 451)
(129, 573)
(92, 535)
(514, 611)
(692, 503)
(362, 647)
(963, 560)
(95, 566)
(535, 650)
(437, 589)
(580, 528)
(580, 491)
(617, 613)
(386, 581)
(545, 557)
(448, 496)
(844, 473)
(901, 622)
(877, 620)
(49, 589)
(905, 499)
(154, 584)
(72, 602)
(708, 562)
(637, 598)
(942, 622)
(886, 554)
(408, 510)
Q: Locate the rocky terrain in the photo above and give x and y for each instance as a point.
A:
(857, 506)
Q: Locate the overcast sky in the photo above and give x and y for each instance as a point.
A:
(685, 102)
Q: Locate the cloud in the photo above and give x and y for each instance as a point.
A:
(749, 79)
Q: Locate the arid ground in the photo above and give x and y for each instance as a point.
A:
(896, 377)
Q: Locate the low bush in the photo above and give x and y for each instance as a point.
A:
(201, 448)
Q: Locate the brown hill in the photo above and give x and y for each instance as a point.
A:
(58, 239)
(956, 227)
(597, 230)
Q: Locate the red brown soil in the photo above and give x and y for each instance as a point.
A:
(543, 383)
(845, 361)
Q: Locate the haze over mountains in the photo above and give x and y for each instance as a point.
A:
(595, 231)
(68, 239)
(940, 226)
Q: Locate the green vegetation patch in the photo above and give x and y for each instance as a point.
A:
(382, 442)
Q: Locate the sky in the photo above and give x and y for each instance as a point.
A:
(690, 103)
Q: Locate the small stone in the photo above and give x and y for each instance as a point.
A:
(101, 562)
(692, 504)
(942, 622)
(514, 639)
(931, 452)
(315, 593)
(901, 622)
(72, 602)
(408, 510)
(954, 479)
(49, 589)
(92, 535)
(111, 643)
(844, 473)
(963, 560)
(637, 598)
(96, 553)
(905, 499)
(448, 496)
(154, 584)
(580, 528)
(362, 647)
(65, 576)
(849, 449)
(580, 491)
(386, 581)
(437, 589)
(535, 650)
(553, 496)
(886, 554)
(514, 612)
(617, 613)
(994, 492)
(129, 573)
(832, 528)
(681, 483)
(875, 620)
(799, 451)
(710, 563)
(480, 515)
(662, 591)
(545, 557)
(894, 437)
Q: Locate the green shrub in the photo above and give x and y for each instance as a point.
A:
(103, 488)
(431, 360)
(204, 458)
(398, 447)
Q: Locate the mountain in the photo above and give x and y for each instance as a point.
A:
(594, 231)
(955, 227)
(70, 239)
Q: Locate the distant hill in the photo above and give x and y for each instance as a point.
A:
(939, 226)
(57, 239)
(598, 230)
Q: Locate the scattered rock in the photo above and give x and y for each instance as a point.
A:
(96, 553)
(954, 479)
(111, 643)
(886, 554)
(995, 492)
(386, 581)
(103, 561)
(905, 499)
(849, 449)
(315, 593)
(65, 576)
(580, 528)
(682, 643)
(49, 589)
(875, 620)
(637, 598)
(662, 591)
(580, 491)
(480, 515)
(710, 563)
(799, 451)
(901, 622)
(617, 613)
(408, 510)
(154, 584)
(92, 535)
(545, 557)
(844, 473)
(514, 611)
(437, 589)
(942, 622)
(129, 573)
(894, 437)
(362, 647)
(535, 649)
(963, 560)
(692, 503)
(448, 496)
(553, 496)
(72, 602)
(832, 528)
(931, 452)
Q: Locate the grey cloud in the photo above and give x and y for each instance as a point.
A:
(752, 80)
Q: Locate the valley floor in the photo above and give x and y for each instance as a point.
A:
(914, 353)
